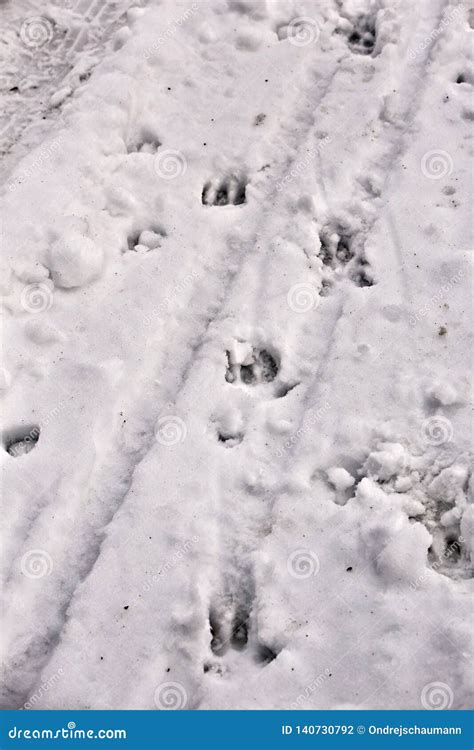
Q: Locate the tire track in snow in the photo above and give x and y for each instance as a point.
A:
(241, 611)
(394, 152)
(80, 562)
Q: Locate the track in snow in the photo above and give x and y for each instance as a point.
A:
(254, 360)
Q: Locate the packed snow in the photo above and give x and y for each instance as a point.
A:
(236, 465)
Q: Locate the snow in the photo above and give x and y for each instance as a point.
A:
(236, 461)
(340, 478)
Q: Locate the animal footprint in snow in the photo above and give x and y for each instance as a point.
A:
(233, 628)
(228, 426)
(467, 76)
(22, 440)
(145, 143)
(335, 248)
(360, 274)
(229, 626)
(360, 34)
(240, 632)
(447, 553)
(229, 191)
(249, 365)
(342, 254)
(220, 628)
(148, 239)
(362, 39)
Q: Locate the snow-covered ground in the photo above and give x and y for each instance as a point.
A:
(236, 354)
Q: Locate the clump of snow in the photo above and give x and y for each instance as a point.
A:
(449, 483)
(74, 260)
(340, 478)
(240, 353)
(149, 239)
(385, 463)
(396, 548)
